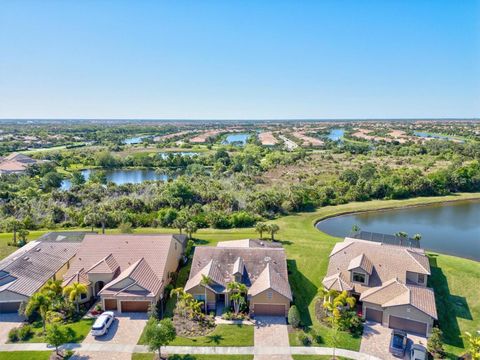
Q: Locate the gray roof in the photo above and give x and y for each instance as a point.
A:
(220, 264)
(27, 270)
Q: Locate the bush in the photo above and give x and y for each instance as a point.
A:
(305, 339)
(13, 335)
(25, 332)
(294, 317)
(435, 344)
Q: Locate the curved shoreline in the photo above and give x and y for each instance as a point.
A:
(393, 207)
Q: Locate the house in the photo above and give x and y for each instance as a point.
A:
(26, 270)
(15, 163)
(389, 282)
(127, 272)
(261, 266)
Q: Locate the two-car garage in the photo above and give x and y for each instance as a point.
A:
(411, 326)
(269, 309)
(127, 306)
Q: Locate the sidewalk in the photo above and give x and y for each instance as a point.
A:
(194, 350)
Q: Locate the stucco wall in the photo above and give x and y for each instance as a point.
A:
(8, 296)
(263, 298)
(200, 290)
(403, 311)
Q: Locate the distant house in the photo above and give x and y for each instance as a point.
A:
(15, 163)
(261, 266)
(127, 272)
(25, 271)
(389, 281)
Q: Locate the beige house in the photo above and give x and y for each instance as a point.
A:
(261, 266)
(26, 270)
(127, 272)
(15, 163)
(389, 282)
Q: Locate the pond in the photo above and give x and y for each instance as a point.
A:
(135, 140)
(122, 176)
(434, 136)
(240, 139)
(450, 228)
(336, 134)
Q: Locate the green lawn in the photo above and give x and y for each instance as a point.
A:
(455, 279)
(223, 335)
(25, 355)
(139, 356)
(80, 330)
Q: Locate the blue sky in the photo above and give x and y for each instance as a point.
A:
(245, 59)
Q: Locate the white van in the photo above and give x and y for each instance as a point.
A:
(103, 322)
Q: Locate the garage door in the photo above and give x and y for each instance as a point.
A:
(408, 325)
(9, 307)
(269, 309)
(110, 304)
(374, 315)
(135, 306)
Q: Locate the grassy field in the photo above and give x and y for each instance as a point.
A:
(25, 355)
(139, 356)
(307, 249)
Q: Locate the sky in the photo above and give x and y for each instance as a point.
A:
(239, 59)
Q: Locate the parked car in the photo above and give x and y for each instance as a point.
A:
(418, 352)
(103, 322)
(398, 343)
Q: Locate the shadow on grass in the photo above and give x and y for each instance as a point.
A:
(449, 306)
(216, 339)
(304, 291)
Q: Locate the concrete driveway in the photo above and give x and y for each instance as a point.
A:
(270, 333)
(376, 341)
(8, 322)
(126, 329)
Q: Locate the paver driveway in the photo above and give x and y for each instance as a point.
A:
(376, 341)
(8, 322)
(271, 333)
(126, 329)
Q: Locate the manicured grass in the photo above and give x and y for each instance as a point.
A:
(456, 284)
(139, 356)
(79, 330)
(25, 355)
(223, 335)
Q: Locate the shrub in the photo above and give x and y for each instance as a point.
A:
(435, 344)
(294, 317)
(13, 335)
(25, 332)
(305, 339)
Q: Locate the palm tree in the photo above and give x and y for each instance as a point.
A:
(355, 228)
(206, 280)
(53, 290)
(273, 229)
(402, 235)
(39, 302)
(74, 292)
(13, 225)
(91, 219)
(417, 237)
(260, 228)
(237, 293)
(180, 223)
(191, 228)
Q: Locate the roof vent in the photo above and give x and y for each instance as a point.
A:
(38, 249)
(267, 258)
(26, 258)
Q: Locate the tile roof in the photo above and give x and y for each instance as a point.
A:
(79, 277)
(395, 293)
(387, 261)
(249, 243)
(362, 262)
(132, 256)
(27, 270)
(268, 266)
(337, 282)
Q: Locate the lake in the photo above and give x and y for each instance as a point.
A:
(240, 139)
(434, 136)
(122, 176)
(336, 134)
(450, 228)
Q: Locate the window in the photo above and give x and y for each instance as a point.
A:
(83, 296)
(199, 297)
(359, 277)
(269, 294)
(421, 278)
